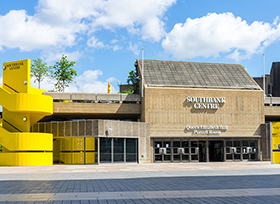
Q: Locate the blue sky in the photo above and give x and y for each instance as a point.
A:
(105, 37)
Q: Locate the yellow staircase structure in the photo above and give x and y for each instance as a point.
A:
(23, 106)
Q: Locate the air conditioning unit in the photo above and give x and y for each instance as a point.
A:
(181, 150)
(249, 150)
(162, 150)
(233, 150)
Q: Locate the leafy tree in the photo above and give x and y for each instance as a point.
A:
(133, 79)
(128, 92)
(39, 70)
(63, 73)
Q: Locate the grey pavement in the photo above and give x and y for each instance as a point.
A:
(227, 182)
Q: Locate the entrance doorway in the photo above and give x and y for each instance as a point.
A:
(202, 151)
(118, 150)
(216, 151)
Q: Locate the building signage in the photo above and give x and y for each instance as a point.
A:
(206, 102)
(206, 130)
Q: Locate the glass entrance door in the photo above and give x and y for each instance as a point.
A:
(162, 151)
(172, 151)
(216, 150)
(114, 150)
(241, 150)
(194, 150)
(105, 150)
(202, 151)
(180, 151)
(118, 149)
(131, 147)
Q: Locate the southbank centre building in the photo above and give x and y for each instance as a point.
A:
(184, 112)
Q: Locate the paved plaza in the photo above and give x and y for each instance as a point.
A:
(224, 182)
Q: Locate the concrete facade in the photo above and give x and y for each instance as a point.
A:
(101, 128)
(198, 107)
(169, 112)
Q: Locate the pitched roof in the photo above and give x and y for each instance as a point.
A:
(175, 73)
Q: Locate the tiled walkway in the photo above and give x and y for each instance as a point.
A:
(235, 182)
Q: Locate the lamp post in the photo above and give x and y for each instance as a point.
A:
(264, 74)
(142, 72)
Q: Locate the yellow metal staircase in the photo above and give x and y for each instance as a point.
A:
(23, 106)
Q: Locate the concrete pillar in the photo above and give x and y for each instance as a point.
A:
(207, 150)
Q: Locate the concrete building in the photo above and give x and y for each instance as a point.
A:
(189, 112)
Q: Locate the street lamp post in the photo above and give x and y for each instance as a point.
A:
(264, 74)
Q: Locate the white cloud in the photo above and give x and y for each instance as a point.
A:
(47, 84)
(59, 23)
(276, 20)
(95, 43)
(219, 33)
(27, 33)
(88, 82)
(111, 79)
(131, 14)
(116, 47)
(51, 55)
(134, 48)
(114, 41)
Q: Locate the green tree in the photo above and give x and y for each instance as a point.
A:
(39, 70)
(133, 79)
(63, 73)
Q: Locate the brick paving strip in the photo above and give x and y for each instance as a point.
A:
(142, 195)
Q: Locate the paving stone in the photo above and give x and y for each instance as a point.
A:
(48, 202)
(227, 186)
(93, 202)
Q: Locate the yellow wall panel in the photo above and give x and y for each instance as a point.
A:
(276, 142)
(78, 158)
(90, 157)
(90, 143)
(77, 144)
(26, 159)
(66, 157)
(66, 144)
(276, 157)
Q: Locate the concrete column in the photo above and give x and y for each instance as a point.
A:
(124, 150)
(98, 150)
(259, 148)
(112, 150)
(207, 150)
(225, 156)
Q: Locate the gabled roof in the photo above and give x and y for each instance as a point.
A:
(196, 74)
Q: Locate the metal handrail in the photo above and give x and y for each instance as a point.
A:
(94, 97)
